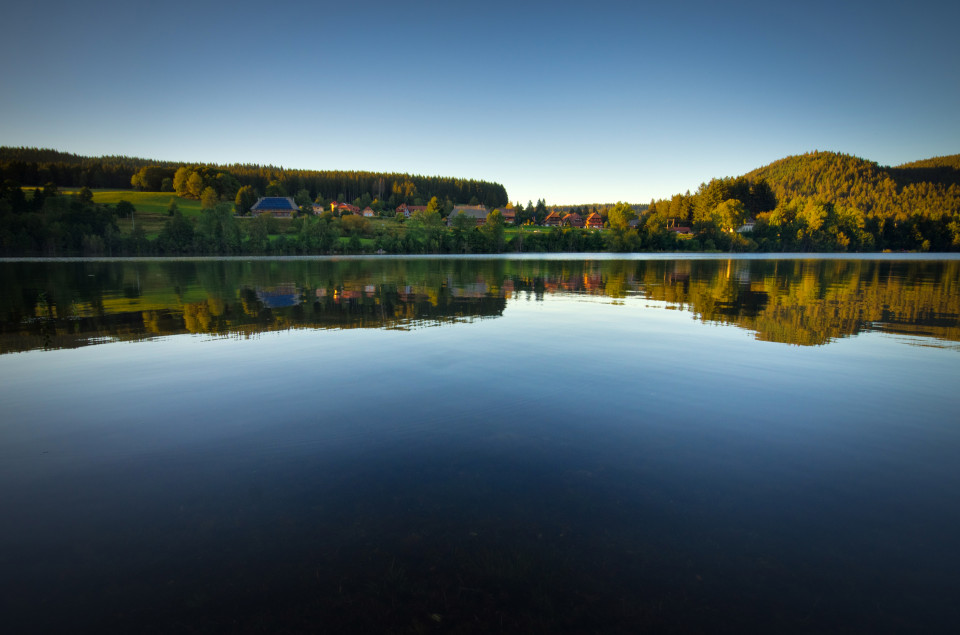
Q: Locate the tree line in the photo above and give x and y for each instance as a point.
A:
(38, 167)
(817, 202)
(824, 201)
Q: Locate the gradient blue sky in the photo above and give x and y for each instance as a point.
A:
(570, 102)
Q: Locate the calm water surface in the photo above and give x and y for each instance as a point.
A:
(480, 445)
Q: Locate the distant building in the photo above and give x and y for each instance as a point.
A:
(344, 208)
(368, 212)
(573, 220)
(476, 212)
(747, 227)
(407, 210)
(553, 219)
(277, 206)
(509, 216)
(594, 221)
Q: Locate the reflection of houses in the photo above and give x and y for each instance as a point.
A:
(573, 220)
(476, 212)
(552, 220)
(594, 221)
(470, 290)
(279, 296)
(278, 206)
(593, 280)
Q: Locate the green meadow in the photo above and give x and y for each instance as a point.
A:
(151, 207)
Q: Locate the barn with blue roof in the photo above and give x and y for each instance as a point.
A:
(279, 206)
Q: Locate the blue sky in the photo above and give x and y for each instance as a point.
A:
(570, 102)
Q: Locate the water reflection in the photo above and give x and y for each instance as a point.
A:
(803, 302)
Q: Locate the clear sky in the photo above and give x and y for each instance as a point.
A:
(571, 102)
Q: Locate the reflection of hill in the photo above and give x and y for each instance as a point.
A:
(809, 302)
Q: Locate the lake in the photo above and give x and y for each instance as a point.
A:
(476, 445)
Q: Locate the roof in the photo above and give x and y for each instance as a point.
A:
(473, 211)
(275, 202)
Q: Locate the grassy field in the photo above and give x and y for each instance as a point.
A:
(151, 207)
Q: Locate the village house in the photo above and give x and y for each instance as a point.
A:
(509, 216)
(408, 210)
(318, 208)
(344, 208)
(594, 221)
(476, 212)
(573, 220)
(552, 220)
(277, 206)
(673, 227)
(368, 212)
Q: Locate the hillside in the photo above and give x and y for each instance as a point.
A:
(941, 170)
(39, 166)
(930, 188)
(823, 201)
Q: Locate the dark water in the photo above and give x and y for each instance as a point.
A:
(476, 446)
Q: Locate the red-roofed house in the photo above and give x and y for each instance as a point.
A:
(553, 220)
(595, 221)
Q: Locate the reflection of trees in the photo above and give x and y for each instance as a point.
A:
(803, 302)
(814, 301)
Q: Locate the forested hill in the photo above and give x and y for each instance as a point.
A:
(37, 167)
(943, 170)
(930, 188)
(824, 201)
